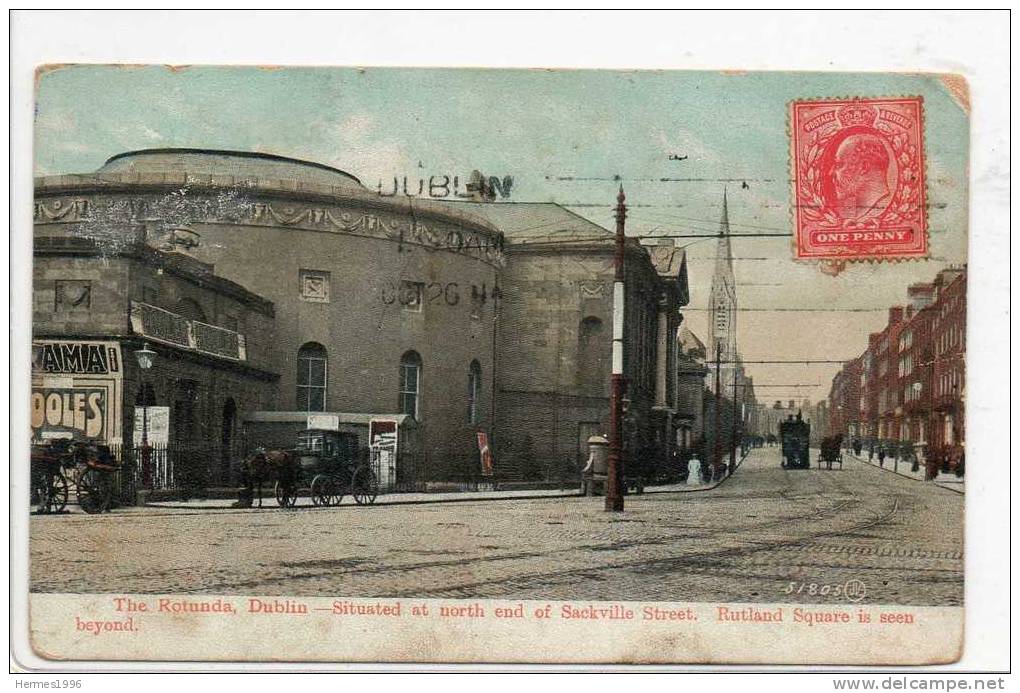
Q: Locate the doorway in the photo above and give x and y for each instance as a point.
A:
(229, 420)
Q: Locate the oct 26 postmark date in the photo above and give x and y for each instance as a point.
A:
(858, 176)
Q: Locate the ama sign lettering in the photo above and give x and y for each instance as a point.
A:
(76, 390)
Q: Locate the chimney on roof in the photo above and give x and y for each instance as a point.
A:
(895, 315)
(921, 295)
(947, 275)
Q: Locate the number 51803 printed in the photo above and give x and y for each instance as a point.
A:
(852, 590)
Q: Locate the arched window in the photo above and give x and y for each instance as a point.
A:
(474, 391)
(592, 374)
(311, 377)
(410, 384)
(190, 309)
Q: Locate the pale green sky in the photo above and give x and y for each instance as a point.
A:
(537, 125)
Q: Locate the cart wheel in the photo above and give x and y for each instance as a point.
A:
(52, 499)
(39, 496)
(58, 497)
(320, 490)
(364, 486)
(286, 494)
(336, 490)
(93, 496)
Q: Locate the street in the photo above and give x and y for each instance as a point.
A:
(765, 535)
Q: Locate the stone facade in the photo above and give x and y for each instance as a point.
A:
(554, 342)
(458, 313)
(86, 292)
(691, 372)
(364, 280)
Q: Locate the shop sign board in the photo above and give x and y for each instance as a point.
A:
(76, 390)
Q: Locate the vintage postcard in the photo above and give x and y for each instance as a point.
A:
(498, 366)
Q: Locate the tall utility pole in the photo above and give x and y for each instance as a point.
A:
(717, 457)
(733, 435)
(615, 463)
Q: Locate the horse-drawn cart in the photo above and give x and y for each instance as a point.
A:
(88, 467)
(332, 460)
(329, 461)
(831, 452)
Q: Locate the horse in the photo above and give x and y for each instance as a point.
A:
(280, 466)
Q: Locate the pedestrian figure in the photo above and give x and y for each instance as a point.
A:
(685, 468)
(694, 470)
(881, 457)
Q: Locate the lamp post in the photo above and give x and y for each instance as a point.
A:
(955, 408)
(145, 357)
(923, 436)
(615, 462)
(733, 433)
(717, 453)
(938, 441)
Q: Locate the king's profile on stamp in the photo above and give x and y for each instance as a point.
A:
(860, 174)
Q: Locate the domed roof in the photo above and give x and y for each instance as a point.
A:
(241, 165)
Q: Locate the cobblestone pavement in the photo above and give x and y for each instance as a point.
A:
(763, 533)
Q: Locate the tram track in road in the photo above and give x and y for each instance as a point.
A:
(555, 555)
(719, 557)
(313, 572)
(670, 564)
(769, 524)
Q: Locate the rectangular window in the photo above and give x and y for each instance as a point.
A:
(410, 376)
(311, 381)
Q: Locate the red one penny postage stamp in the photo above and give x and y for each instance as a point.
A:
(858, 178)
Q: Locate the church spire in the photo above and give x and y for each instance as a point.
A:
(724, 224)
(724, 255)
(723, 301)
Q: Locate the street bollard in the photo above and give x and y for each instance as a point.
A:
(597, 467)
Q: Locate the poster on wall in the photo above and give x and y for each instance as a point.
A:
(76, 390)
(382, 440)
(155, 421)
(485, 453)
(325, 422)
